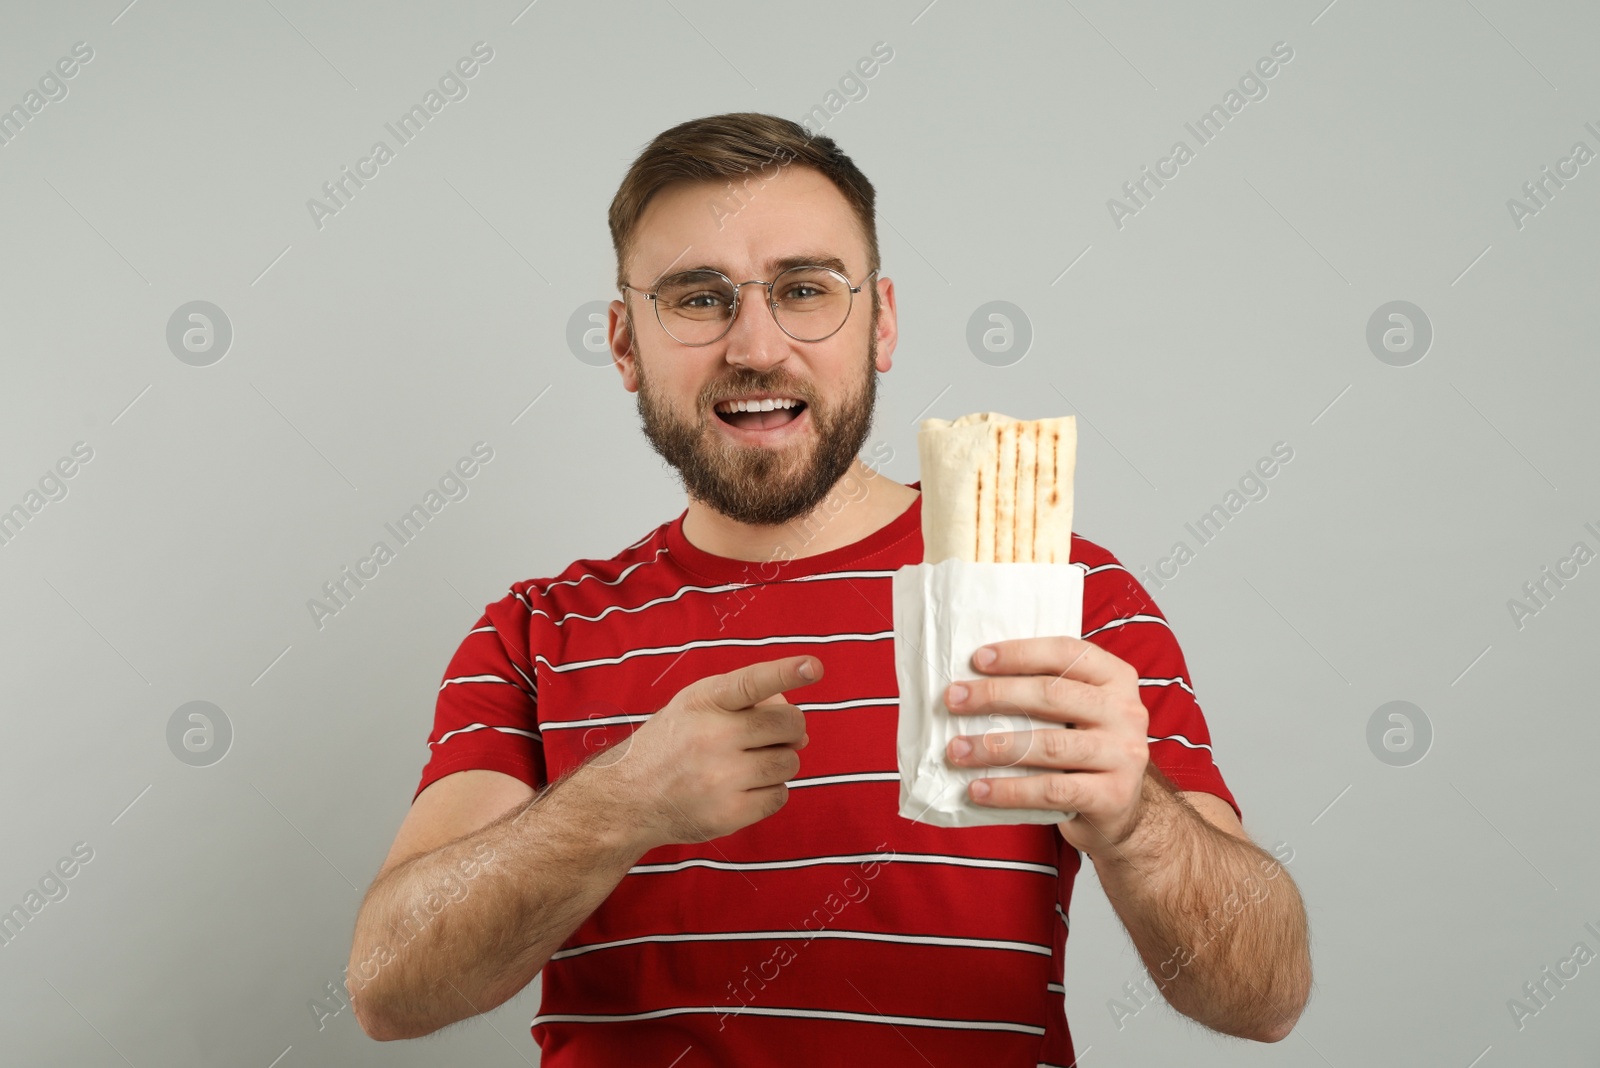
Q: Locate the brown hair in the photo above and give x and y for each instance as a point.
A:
(743, 143)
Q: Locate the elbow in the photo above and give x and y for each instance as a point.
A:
(1282, 1023)
(365, 1004)
(1276, 1032)
(1276, 1019)
(371, 1022)
(377, 1026)
(376, 1020)
(1265, 1029)
(1260, 1019)
(386, 1016)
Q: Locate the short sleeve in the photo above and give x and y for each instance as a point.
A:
(485, 713)
(1121, 617)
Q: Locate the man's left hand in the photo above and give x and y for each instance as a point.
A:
(1094, 763)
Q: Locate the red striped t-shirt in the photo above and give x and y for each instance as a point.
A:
(834, 931)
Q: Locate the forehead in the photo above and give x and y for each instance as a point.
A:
(758, 226)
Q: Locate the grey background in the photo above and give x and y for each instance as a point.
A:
(368, 356)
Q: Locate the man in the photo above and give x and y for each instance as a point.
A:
(623, 793)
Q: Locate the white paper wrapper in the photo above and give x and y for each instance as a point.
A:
(942, 613)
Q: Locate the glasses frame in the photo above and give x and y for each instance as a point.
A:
(772, 305)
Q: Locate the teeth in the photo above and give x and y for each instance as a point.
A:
(756, 405)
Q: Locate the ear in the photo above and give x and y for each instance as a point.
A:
(888, 325)
(620, 338)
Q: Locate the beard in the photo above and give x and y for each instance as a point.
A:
(755, 484)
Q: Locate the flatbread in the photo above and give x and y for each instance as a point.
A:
(997, 489)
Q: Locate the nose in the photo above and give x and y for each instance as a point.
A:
(755, 340)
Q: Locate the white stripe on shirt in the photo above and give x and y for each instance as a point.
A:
(608, 721)
(533, 687)
(779, 639)
(604, 582)
(485, 727)
(846, 858)
(726, 587)
(1125, 620)
(1181, 740)
(459, 679)
(828, 780)
(807, 935)
(641, 541)
(820, 1014)
(1168, 682)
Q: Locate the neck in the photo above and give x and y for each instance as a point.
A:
(860, 503)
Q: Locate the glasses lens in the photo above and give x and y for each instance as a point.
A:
(812, 302)
(694, 306)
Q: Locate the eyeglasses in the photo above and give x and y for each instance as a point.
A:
(809, 303)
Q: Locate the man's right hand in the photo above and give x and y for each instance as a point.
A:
(716, 758)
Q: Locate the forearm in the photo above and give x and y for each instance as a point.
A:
(427, 954)
(1217, 921)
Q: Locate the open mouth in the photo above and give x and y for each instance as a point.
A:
(767, 413)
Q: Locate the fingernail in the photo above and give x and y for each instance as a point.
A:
(980, 788)
(808, 671)
(958, 694)
(984, 656)
(960, 748)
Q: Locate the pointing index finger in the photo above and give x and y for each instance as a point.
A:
(754, 684)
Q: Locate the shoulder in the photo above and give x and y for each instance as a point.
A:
(1112, 594)
(1101, 569)
(1091, 555)
(589, 580)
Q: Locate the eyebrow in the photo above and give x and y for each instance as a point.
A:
(774, 267)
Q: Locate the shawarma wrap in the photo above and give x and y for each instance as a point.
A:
(997, 489)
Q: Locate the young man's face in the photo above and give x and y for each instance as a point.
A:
(754, 474)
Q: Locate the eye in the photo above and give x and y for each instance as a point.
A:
(691, 300)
